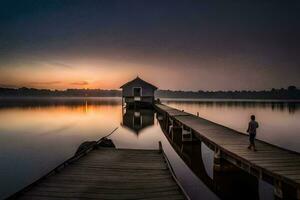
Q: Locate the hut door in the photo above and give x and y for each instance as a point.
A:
(137, 92)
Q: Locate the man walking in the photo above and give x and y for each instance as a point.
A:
(253, 125)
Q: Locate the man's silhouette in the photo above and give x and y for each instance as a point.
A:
(253, 125)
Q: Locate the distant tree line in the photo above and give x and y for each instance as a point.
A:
(291, 92)
(33, 92)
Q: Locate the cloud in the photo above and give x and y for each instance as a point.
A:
(8, 85)
(59, 64)
(45, 82)
(80, 83)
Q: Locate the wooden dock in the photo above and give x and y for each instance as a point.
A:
(273, 164)
(109, 173)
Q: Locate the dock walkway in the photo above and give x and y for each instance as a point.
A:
(274, 164)
(109, 173)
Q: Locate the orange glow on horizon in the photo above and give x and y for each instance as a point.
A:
(81, 75)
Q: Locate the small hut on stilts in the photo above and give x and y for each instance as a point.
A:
(138, 93)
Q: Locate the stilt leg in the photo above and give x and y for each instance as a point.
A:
(217, 159)
(278, 189)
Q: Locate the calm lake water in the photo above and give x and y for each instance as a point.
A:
(38, 134)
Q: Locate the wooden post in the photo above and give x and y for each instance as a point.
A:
(167, 121)
(186, 135)
(217, 159)
(160, 147)
(298, 194)
(278, 189)
(122, 107)
(170, 127)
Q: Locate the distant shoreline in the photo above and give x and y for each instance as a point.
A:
(230, 100)
(49, 98)
(290, 93)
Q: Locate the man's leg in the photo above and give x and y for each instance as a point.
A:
(251, 139)
(250, 145)
(254, 148)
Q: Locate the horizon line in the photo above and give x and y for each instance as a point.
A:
(176, 90)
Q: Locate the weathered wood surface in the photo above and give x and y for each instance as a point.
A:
(171, 111)
(281, 164)
(110, 174)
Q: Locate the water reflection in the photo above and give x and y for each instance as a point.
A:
(290, 106)
(34, 102)
(137, 119)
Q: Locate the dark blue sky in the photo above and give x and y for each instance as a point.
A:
(208, 45)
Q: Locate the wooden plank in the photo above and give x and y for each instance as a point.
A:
(297, 162)
(116, 167)
(271, 164)
(172, 111)
(111, 188)
(88, 192)
(100, 190)
(113, 178)
(99, 195)
(264, 156)
(116, 172)
(256, 158)
(260, 147)
(293, 176)
(120, 171)
(275, 168)
(28, 197)
(36, 197)
(288, 172)
(142, 164)
(246, 151)
(111, 184)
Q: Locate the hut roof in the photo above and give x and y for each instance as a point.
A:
(138, 81)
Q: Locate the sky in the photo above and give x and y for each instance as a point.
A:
(178, 45)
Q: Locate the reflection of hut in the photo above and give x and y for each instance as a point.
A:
(138, 92)
(136, 120)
